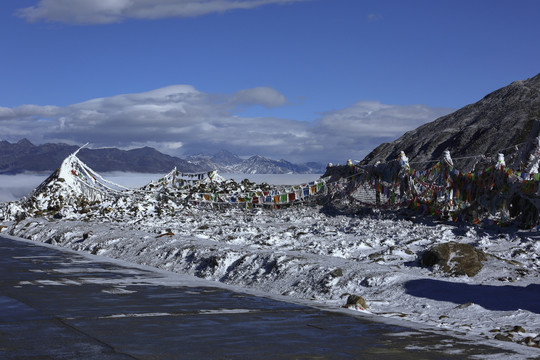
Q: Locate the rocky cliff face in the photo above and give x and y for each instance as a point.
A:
(503, 119)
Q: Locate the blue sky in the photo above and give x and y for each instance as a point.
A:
(304, 80)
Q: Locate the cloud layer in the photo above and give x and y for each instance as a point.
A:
(180, 120)
(114, 11)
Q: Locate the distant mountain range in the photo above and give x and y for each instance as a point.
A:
(505, 121)
(23, 156)
(226, 162)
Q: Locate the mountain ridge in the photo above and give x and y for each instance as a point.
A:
(500, 121)
(24, 156)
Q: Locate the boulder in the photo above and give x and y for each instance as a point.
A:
(502, 337)
(356, 302)
(453, 258)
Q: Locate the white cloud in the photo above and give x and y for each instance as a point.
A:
(358, 129)
(15, 187)
(264, 96)
(181, 120)
(113, 11)
(371, 118)
(6, 113)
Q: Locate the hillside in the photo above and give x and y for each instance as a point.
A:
(497, 123)
(24, 156)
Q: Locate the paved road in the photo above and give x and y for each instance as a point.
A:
(57, 304)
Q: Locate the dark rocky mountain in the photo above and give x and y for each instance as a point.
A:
(24, 156)
(497, 123)
(226, 158)
(144, 160)
(221, 161)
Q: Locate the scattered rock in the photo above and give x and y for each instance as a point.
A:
(96, 249)
(453, 258)
(518, 252)
(168, 233)
(518, 329)
(206, 265)
(377, 256)
(463, 306)
(502, 337)
(522, 272)
(356, 301)
(20, 216)
(529, 341)
(336, 273)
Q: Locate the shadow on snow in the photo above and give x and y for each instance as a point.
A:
(497, 298)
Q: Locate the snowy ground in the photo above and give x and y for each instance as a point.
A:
(306, 254)
(303, 253)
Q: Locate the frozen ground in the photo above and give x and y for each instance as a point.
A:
(303, 253)
(307, 254)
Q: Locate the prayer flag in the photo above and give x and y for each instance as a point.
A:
(292, 197)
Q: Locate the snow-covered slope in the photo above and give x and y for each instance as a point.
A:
(225, 162)
(301, 252)
(505, 121)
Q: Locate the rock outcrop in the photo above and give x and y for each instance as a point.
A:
(453, 258)
(503, 119)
